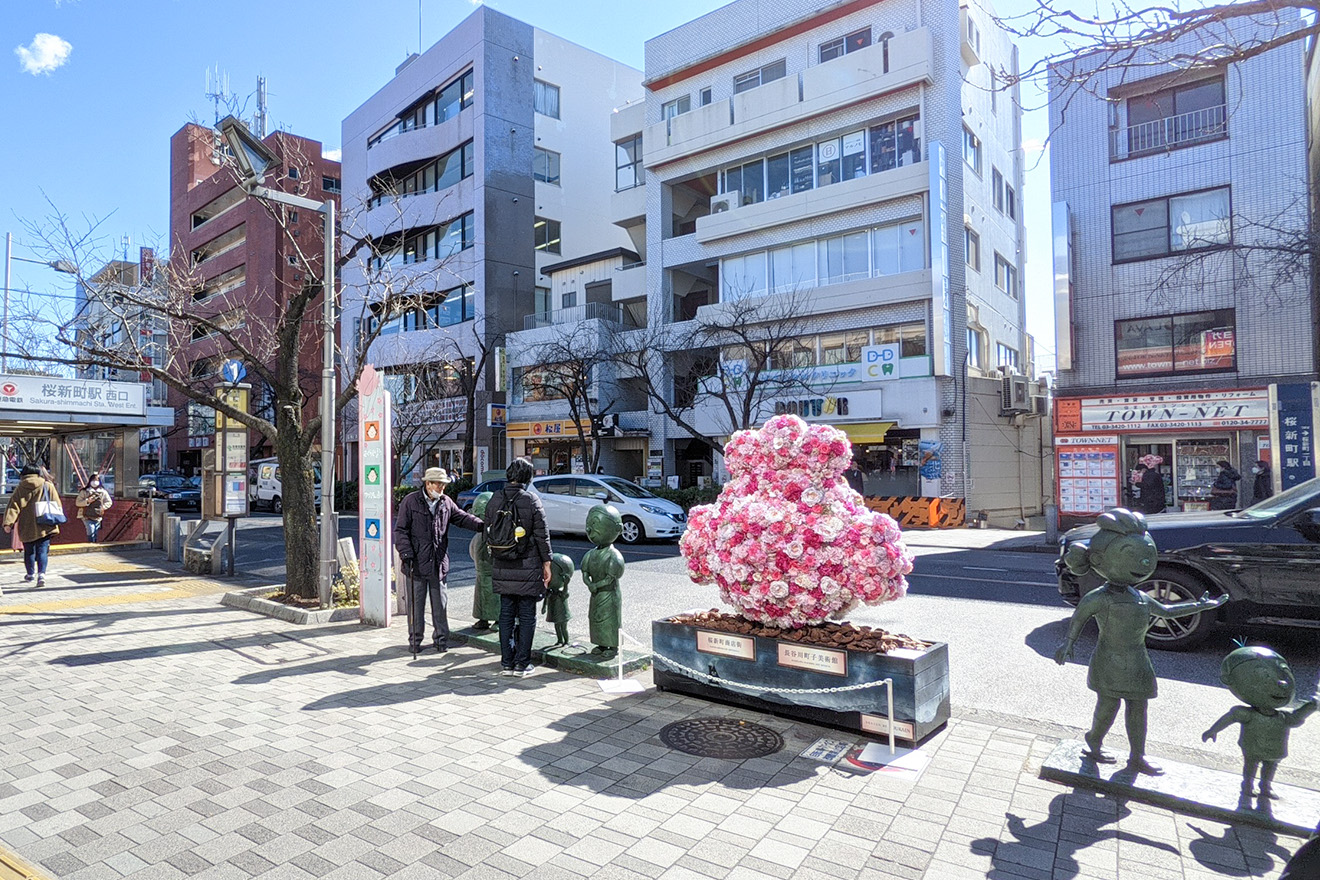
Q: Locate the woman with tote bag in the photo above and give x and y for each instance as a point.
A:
(36, 509)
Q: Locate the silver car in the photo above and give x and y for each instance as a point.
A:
(645, 515)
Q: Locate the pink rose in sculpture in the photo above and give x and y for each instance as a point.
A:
(788, 542)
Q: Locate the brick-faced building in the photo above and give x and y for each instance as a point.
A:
(240, 261)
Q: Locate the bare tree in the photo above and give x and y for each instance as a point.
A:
(731, 363)
(569, 364)
(227, 324)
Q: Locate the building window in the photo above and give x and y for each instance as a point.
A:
(294, 174)
(628, 163)
(972, 150)
(545, 99)
(997, 189)
(1010, 202)
(994, 92)
(330, 184)
(759, 77)
(1194, 342)
(911, 338)
(435, 176)
(1006, 278)
(454, 97)
(975, 348)
(843, 45)
(704, 96)
(1177, 117)
(545, 165)
(541, 300)
(1176, 224)
(972, 245)
(676, 107)
(546, 235)
(1006, 357)
(568, 299)
(293, 216)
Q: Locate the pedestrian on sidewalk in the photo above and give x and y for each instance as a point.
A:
(92, 503)
(521, 570)
(34, 485)
(1151, 484)
(421, 536)
(1263, 487)
(1224, 492)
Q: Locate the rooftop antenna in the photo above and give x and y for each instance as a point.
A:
(261, 116)
(419, 27)
(217, 89)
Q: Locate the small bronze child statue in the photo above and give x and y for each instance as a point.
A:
(1123, 553)
(601, 570)
(555, 606)
(1261, 679)
(485, 604)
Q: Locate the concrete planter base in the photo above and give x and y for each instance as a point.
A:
(251, 600)
(769, 675)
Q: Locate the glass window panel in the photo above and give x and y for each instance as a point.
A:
(913, 340)
(1199, 220)
(776, 176)
(884, 147)
(733, 179)
(793, 267)
(912, 246)
(831, 260)
(909, 141)
(887, 252)
(1141, 230)
(753, 182)
(450, 170)
(469, 159)
(858, 39)
(856, 256)
(774, 71)
(829, 164)
(831, 50)
(801, 168)
(854, 155)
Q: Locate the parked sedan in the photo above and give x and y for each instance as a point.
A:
(645, 515)
(1266, 558)
(468, 497)
(189, 497)
(160, 485)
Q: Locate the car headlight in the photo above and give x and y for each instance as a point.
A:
(651, 508)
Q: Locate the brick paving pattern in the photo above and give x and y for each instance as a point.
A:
(172, 737)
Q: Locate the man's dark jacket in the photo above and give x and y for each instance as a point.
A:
(422, 540)
(521, 577)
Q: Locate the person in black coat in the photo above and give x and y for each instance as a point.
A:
(421, 535)
(1264, 485)
(520, 583)
(1152, 491)
(1223, 492)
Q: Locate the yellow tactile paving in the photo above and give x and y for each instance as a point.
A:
(14, 868)
(177, 589)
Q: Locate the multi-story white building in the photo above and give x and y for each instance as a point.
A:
(485, 159)
(855, 170)
(1177, 333)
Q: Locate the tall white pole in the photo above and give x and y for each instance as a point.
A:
(4, 342)
(329, 519)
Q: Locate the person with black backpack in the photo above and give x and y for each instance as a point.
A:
(520, 554)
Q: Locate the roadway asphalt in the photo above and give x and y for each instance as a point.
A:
(999, 612)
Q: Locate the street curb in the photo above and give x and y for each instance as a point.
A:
(75, 549)
(250, 600)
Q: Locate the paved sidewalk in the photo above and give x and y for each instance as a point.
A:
(982, 539)
(177, 738)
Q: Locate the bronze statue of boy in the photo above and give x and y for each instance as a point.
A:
(555, 606)
(601, 570)
(485, 604)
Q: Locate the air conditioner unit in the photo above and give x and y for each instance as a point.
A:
(725, 202)
(1040, 404)
(1015, 394)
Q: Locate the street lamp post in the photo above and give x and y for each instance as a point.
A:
(58, 265)
(254, 160)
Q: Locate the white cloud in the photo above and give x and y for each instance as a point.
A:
(44, 54)
(333, 155)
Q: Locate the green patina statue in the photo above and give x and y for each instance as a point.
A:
(556, 597)
(1261, 679)
(1123, 553)
(601, 570)
(485, 604)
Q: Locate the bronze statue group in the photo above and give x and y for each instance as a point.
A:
(1124, 554)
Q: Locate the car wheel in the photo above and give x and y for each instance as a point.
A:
(1168, 586)
(276, 505)
(633, 532)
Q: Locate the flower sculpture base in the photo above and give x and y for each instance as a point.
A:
(796, 678)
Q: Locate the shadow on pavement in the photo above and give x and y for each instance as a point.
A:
(450, 678)
(644, 764)
(1082, 827)
(226, 643)
(1260, 847)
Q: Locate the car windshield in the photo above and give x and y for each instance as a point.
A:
(626, 489)
(1277, 504)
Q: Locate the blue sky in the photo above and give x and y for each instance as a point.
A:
(89, 110)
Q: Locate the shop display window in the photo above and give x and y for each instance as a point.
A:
(1194, 470)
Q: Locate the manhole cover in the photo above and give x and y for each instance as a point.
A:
(721, 738)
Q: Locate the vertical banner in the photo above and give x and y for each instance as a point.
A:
(374, 501)
(942, 313)
(1293, 433)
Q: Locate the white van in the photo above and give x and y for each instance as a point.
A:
(264, 484)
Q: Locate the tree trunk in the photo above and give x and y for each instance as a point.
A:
(301, 536)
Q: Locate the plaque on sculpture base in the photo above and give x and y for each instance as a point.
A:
(800, 680)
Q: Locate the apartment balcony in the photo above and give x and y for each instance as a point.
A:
(607, 312)
(418, 144)
(627, 121)
(778, 210)
(628, 207)
(629, 282)
(415, 210)
(898, 63)
(1170, 133)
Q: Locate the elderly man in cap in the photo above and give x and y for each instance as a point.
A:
(421, 535)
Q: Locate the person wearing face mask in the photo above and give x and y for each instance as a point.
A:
(1264, 486)
(421, 535)
(1223, 492)
(92, 502)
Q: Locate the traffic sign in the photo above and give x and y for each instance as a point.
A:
(233, 372)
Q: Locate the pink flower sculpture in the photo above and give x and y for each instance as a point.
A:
(789, 543)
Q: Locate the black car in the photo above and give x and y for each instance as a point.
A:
(160, 485)
(468, 497)
(1266, 558)
(189, 497)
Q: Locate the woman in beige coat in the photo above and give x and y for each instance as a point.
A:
(22, 511)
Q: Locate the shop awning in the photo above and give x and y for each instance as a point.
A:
(866, 432)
